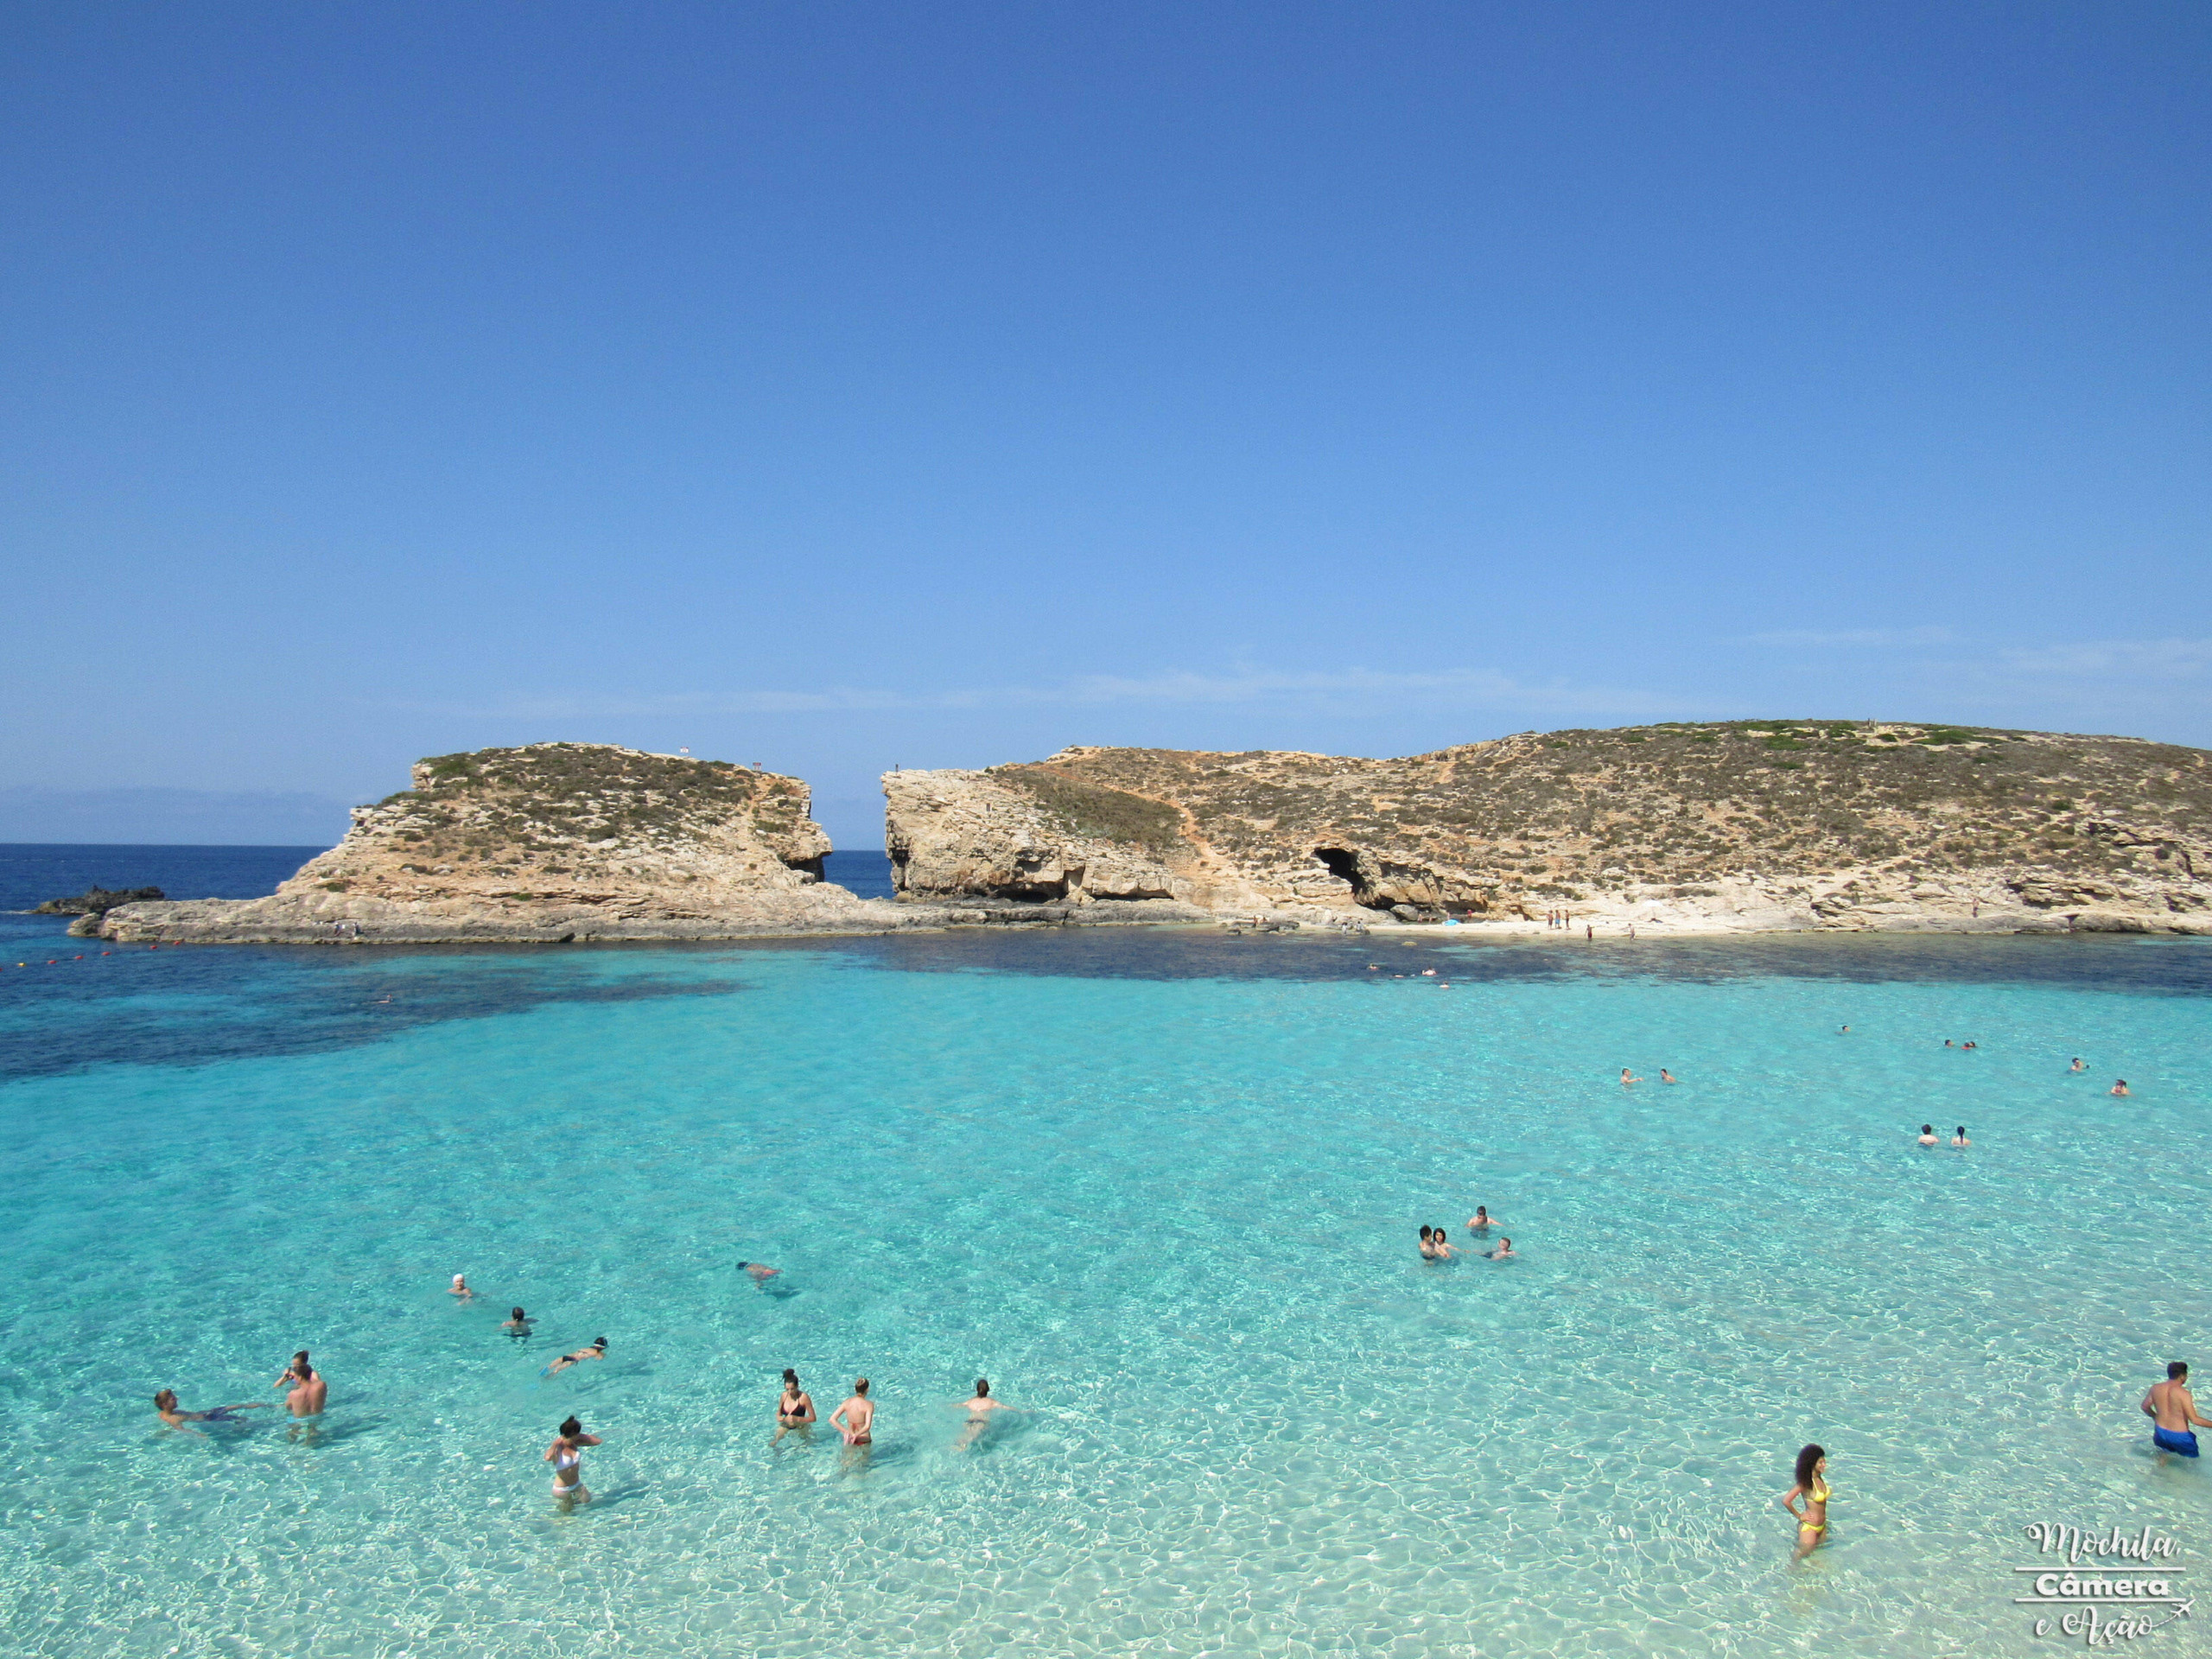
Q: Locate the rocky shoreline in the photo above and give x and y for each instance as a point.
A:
(1675, 830)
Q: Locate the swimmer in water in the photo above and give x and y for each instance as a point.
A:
(794, 1407)
(1665, 1076)
(2078, 1066)
(1503, 1252)
(309, 1391)
(980, 1408)
(460, 1288)
(1927, 1134)
(760, 1271)
(1969, 1045)
(1441, 1246)
(1844, 1031)
(1427, 1245)
(2119, 1086)
(165, 1403)
(566, 1455)
(855, 1419)
(1947, 1043)
(1813, 1521)
(1628, 1077)
(597, 1351)
(518, 1324)
(1959, 1139)
(1479, 1221)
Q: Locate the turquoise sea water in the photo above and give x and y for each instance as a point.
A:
(1162, 1189)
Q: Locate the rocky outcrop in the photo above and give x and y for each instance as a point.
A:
(1762, 824)
(551, 841)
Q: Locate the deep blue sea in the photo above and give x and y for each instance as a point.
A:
(1161, 1187)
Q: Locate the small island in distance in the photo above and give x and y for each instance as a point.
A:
(1680, 828)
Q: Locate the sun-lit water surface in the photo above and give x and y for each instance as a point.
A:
(1162, 1189)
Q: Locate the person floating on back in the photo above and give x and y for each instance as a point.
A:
(2172, 1411)
(165, 1403)
(597, 1351)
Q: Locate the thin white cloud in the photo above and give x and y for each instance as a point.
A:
(1471, 688)
(2161, 660)
(1855, 638)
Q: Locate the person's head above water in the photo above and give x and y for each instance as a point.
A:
(1424, 1229)
(570, 1427)
(600, 1342)
(860, 1387)
(166, 1400)
(1928, 1129)
(517, 1314)
(1808, 1459)
(982, 1387)
(790, 1377)
(2175, 1372)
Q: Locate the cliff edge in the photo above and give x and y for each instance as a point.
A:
(1751, 826)
(551, 841)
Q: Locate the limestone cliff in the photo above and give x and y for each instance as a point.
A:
(551, 841)
(1749, 824)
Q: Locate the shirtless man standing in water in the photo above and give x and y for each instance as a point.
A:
(855, 1419)
(2172, 1411)
(308, 1390)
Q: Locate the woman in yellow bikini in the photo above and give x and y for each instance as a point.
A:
(1812, 1520)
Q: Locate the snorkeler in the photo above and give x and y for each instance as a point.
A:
(1927, 1134)
(794, 1407)
(597, 1351)
(566, 1455)
(1813, 1521)
(165, 1403)
(980, 1408)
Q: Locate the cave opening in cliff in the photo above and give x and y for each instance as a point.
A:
(1345, 865)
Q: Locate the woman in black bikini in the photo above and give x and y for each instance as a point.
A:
(795, 1409)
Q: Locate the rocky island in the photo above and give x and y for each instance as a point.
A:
(1710, 827)
(556, 843)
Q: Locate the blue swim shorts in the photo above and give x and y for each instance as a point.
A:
(2183, 1440)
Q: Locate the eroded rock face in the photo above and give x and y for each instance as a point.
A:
(1757, 824)
(551, 841)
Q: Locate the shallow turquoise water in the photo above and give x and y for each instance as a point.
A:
(1162, 1189)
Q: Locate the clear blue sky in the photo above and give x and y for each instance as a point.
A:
(840, 386)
